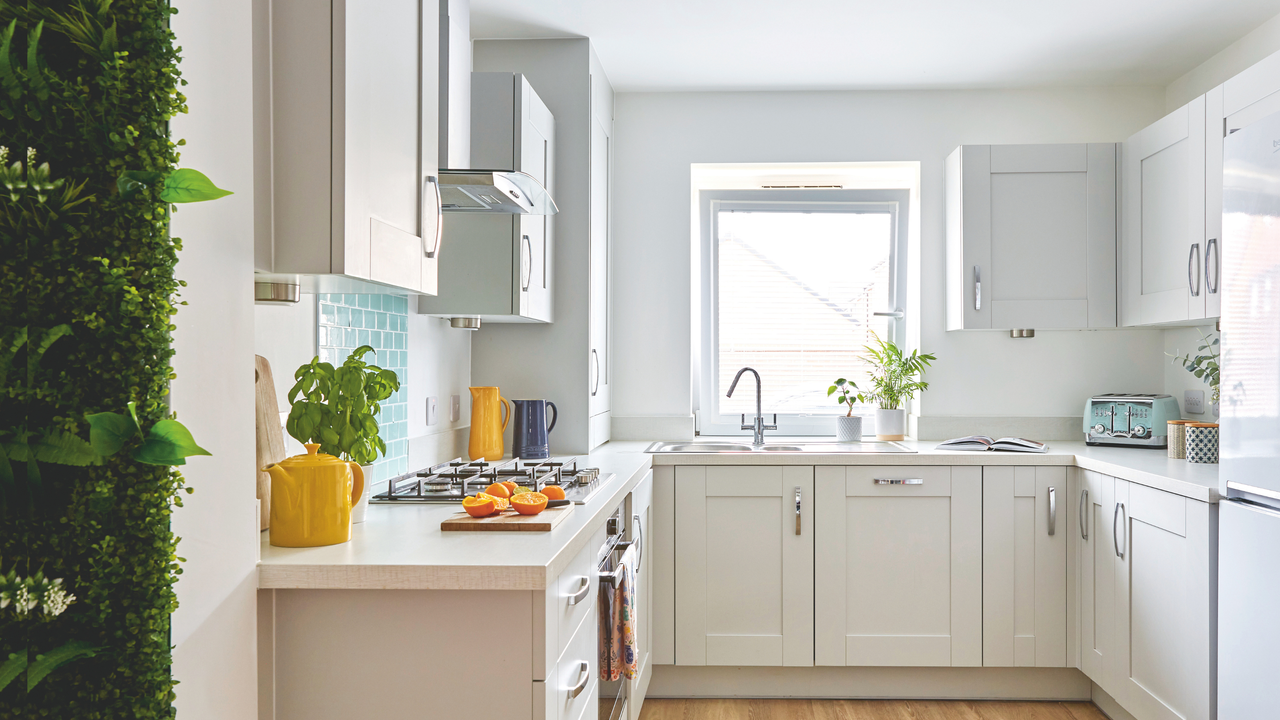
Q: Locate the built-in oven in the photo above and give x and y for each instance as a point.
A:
(624, 544)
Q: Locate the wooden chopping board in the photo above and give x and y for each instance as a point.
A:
(509, 521)
(270, 440)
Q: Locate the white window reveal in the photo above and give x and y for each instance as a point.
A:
(796, 282)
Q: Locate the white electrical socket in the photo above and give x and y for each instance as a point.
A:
(1193, 402)
(431, 411)
(455, 408)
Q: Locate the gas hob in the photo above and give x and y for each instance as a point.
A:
(451, 481)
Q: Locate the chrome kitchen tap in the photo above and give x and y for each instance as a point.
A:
(758, 426)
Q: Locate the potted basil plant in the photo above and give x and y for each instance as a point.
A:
(848, 426)
(338, 409)
(895, 379)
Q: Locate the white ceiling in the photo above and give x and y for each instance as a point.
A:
(827, 44)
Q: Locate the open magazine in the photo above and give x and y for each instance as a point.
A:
(982, 442)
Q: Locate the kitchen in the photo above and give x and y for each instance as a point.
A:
(608, 308)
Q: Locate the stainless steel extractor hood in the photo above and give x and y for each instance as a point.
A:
(494, 191)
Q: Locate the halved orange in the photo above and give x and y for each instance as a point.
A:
(553, 492)
(530, 503)
(499, 490)
(480, 505)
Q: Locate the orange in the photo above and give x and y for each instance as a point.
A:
(553, 492)
(510, 486)
(529, 503)
(480, 505)
(499, 490)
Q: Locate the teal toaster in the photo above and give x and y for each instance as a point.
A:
(1130, 420)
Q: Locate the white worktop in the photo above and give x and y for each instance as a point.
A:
(1140, 465)
(402, 547)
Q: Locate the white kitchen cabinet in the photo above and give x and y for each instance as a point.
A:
(600, 253)
(1031, 236)
(642, 533)
(745, 565)
(499, 266)
(348, 196)
(1165, 570)
(1163, 205)
(1096, 566)
(1024, 566)
(898, 566)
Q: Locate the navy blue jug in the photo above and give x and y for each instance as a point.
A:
(529, 439)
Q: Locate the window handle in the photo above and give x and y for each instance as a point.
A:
(895, 314)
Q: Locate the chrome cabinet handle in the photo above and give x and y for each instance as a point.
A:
(1053, 511)
(1115, 529)
(899, 481)
(526, 263)
(595, 378)
(581, 593)
(1193, 265)
(797, 510)
(639, 541)
(432, 186)
(1084, 502)
(1211, 280)
(977, 287)
(584, 675)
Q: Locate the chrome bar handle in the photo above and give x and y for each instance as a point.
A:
(1211, 248)
(581, 593)
(1053, 510)
(595, 382)
(639, 541)
(584, 676)
(977, 287)
(431, 185)
(526, 263)
(797, 509)
(899, 481)
(1084, 502)
(1193, 264)
(1115, 528)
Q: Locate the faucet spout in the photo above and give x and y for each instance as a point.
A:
(758, 426)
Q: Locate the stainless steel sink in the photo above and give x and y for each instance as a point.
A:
(819, 448)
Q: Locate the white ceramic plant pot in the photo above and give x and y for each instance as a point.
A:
(358, 510)
(891, 424)
(849, 429)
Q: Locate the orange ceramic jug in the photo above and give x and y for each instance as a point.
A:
(487, 424)
(311, 499)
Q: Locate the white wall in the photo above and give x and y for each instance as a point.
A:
(1258, 44)
(215, 658)
(658, 135)
(439, 367)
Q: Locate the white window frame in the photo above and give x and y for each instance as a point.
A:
(894, 201)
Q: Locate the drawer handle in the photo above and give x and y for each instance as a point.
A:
(899, 481)
(1084, 503)
(584, 676)
(1053, 510)
(581, 593)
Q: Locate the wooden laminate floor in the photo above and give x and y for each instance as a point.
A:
(790, 709)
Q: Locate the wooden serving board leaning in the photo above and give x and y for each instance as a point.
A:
(508, 521)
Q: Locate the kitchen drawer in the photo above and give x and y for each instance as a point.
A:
(581, 569)
(581, 655)
(860, 480)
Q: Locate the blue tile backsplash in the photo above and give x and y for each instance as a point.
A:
(344, 323)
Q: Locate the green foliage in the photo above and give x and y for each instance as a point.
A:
(338, 408)
(895, 374)
(849, 394)
(1204, 365)
(87, 88)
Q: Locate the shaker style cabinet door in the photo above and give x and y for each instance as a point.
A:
(1024, 566)
(744, 565)
(601, 164)
(1031, 236)
(533, 241)
(1096, 563)
(642, 533)
(1163, 244)
(1163, 589)
(898, 569)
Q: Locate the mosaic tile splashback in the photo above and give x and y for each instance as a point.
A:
(344, 323)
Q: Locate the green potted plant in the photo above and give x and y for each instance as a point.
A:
(895, 379)
(848, 426)
(337, 408)
(1204, 366)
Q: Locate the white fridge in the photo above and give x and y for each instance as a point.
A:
(1249, 518)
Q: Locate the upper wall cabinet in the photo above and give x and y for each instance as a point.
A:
(498, 266)
(1031, 237)
(353, 117)
(1164, 209)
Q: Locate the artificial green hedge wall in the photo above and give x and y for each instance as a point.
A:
(93, 101)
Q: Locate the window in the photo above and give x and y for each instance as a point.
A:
(795, 282)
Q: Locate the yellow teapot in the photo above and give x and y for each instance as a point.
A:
(311, 499)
